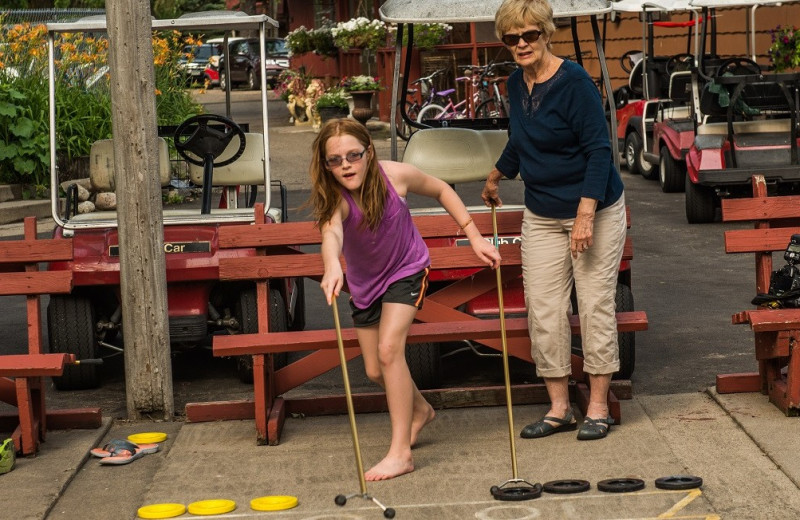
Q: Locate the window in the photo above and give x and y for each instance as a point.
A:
(323, 10)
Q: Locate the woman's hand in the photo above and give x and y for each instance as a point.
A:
(332, 282)
(491, 190)
(582, 235)
(486, 251)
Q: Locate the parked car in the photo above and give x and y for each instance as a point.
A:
(244, 62)
(196, 58)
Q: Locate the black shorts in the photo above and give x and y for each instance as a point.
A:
(409, 290)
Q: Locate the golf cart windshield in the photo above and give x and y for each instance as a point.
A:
(258, 172)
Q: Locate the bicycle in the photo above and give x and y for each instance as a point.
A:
(412, 108)
(487, 100)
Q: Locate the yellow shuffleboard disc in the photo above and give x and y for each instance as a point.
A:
(273, 503)
(161, 511)
(212, 507)
(147, 437)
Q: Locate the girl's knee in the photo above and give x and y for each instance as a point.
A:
(389, 354)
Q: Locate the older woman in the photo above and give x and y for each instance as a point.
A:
(573, 227)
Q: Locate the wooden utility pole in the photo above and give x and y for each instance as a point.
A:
(148, 367)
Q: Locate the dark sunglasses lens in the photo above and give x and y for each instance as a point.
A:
(513, 39)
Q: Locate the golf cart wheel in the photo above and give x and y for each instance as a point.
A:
(700, 203)
(623, 302)
(425, 364)
(670, 172)
(70, 328)
(633, 147)
(247, 314)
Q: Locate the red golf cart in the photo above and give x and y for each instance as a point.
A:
(210, 152)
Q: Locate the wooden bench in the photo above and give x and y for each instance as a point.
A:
(777, 331)
(439, 320)
(20, 275)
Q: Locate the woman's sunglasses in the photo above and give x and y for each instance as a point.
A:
(529, 36)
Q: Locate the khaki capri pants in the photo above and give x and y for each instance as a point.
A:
(549, 272)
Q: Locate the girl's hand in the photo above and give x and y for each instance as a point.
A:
(486, 252)
(332, 282)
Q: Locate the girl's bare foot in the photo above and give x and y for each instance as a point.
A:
(388, 468)
(419, 420)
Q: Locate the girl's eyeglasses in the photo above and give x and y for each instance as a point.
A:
(529, 36)
(352, 157)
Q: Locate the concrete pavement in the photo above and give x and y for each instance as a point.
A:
(742, 447)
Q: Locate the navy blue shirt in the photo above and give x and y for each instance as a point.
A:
(559, 143)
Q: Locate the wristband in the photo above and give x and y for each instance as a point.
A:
(467, 223)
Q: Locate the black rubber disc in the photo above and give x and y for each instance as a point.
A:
(565, 487)
(620, 485)
(516, 493)
(340, 500)
(679, 482)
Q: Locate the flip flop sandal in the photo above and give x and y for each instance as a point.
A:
(124, 456)
(113, 448)
(8, 456)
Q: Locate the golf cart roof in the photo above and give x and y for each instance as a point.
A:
(203, 21)
(721, 4)
(454, 11)
(637, 6)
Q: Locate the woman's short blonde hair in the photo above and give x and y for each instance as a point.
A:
(515, 14)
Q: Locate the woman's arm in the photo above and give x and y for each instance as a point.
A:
(412, 179)
(332, 243)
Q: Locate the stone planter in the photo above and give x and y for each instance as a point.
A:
(362, 105)
(328, 113)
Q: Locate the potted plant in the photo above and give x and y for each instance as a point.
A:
(359, 33)
(362, 88)
(299, 41)
(332, 104)
(426, 35)
(785, 49)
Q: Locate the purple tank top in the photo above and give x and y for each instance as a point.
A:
(376, 259)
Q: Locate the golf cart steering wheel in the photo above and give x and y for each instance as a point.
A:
(738, 67)
(195, 136)
(625, 60)
(679, 63)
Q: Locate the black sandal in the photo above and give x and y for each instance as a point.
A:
(543, 428)
(593, 429)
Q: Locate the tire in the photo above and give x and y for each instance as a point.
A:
(223, 81)
(635, 159)
(623, 302)
(247, 314)
(253, 81)
(488, 109)
(700, 203)
(670, 172)
(425, 364)
(429, 112)
(70, 328)
(298, 321)
(405, 130)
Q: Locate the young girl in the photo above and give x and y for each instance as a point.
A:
(360, 207)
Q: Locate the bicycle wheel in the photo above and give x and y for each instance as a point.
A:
(430, 112)
(405, 130)
(490, 108)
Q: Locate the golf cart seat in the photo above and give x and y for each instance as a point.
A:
(247, 170)
(101, 167)
(456, 155)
